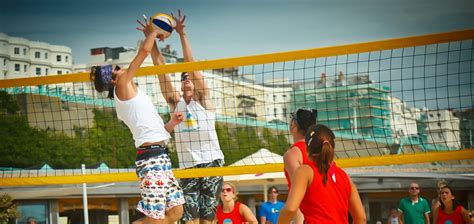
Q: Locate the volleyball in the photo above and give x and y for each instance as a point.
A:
(164, 23)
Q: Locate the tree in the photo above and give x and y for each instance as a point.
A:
(8, 210)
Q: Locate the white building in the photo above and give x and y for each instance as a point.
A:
(442, 128)
(20, 58)
(404, 118)
(277, 99)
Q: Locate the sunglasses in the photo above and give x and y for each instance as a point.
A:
(274, 192)
(227, 190)
(414, 188)
(184, 78)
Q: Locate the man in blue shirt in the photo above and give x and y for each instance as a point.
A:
(270, 210)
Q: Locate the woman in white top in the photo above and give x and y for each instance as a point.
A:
(162, 198)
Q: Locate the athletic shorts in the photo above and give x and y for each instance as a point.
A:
(202, 194)
(159, 189)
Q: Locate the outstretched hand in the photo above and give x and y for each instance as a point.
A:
(146, 28)
(179, 22)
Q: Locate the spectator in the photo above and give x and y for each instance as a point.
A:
(232, 211)
(436, 201)
(31, 220)
(270, 210)
(450, 211)
(414, 208)
(393, 217)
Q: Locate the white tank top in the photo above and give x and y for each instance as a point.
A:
(196, 137)
(141, 117)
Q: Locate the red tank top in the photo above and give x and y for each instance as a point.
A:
(301, 145)
(455, 217)
(232, 217)
(327, 203)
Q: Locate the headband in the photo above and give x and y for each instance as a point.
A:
(106, 76)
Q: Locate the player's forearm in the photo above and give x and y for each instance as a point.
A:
(170, 126)
(187, 51)
(156, 56)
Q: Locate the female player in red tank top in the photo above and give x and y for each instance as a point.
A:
(294, 157)
(232, 211)
(450, 210)
(322, 191)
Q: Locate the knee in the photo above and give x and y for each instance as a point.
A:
(175, 213)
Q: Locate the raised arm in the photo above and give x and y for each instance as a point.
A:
(168, 91)
(125, 88)
(202, 93)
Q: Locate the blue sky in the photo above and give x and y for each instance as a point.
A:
(230, 28)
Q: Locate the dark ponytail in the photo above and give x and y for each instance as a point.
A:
(324, 159)
(320, 146)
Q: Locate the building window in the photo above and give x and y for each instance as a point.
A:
(284, 111)
(67, 58)
(431, 115)
(24, 51)
(439, 124)
(274, 97)
(46, 71)
(58, 58)
(46, 55)
(17, 67)
(37, 209)
(37, 54)
(439, 115)
(38, 71)
(4, 62)
(275, 112)
(60, 72)
(16, 50)
(25, 67)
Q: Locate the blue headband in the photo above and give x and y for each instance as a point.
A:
(106, 76)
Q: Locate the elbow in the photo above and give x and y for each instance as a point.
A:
(360, 220)
(292, 211)
(289, 211)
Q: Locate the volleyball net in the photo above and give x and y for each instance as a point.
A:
(390, 102)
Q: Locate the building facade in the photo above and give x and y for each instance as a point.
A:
(20, 58)
(443, 128)
(356, 106)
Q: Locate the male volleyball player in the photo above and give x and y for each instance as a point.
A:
(196, 138)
